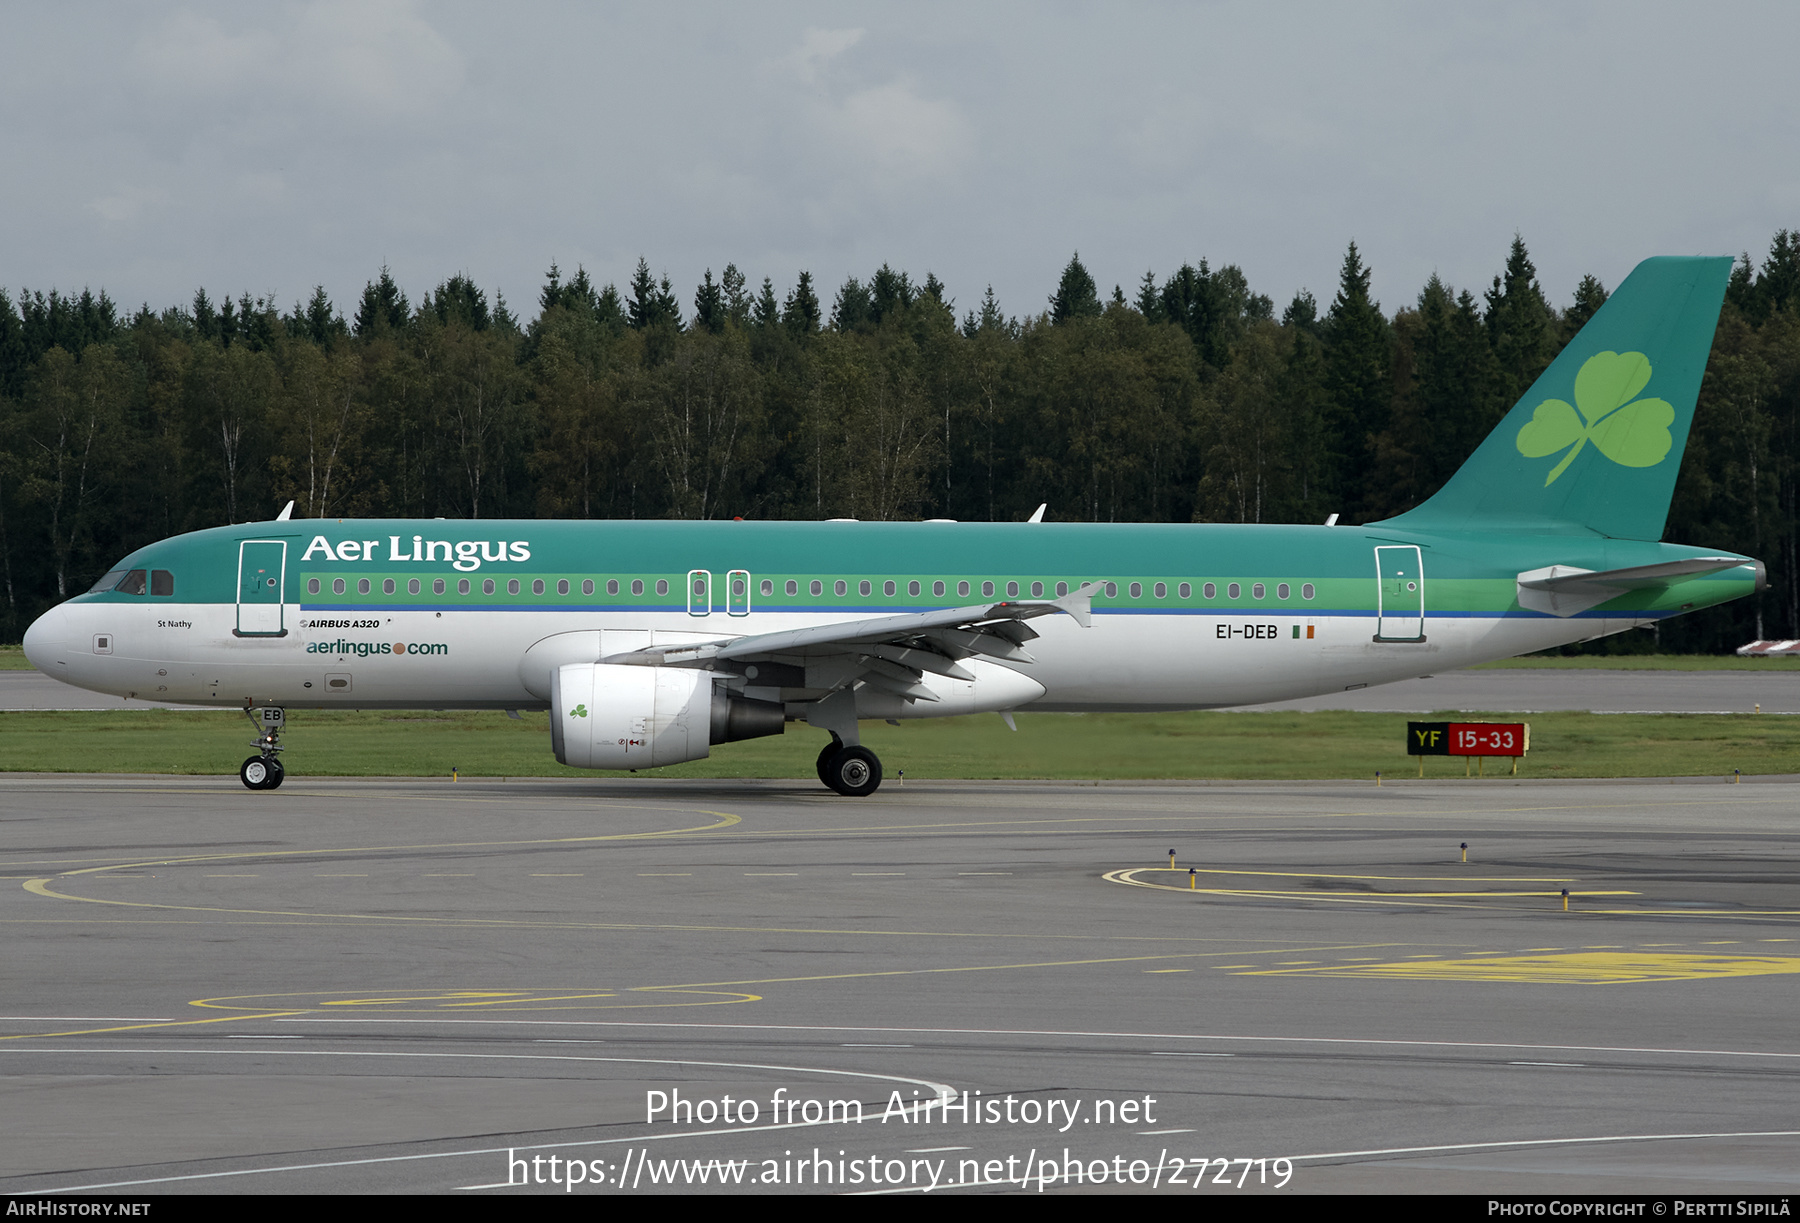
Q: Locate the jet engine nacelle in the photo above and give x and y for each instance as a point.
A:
(606, 716)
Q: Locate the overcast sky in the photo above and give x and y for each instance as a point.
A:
(150, 149)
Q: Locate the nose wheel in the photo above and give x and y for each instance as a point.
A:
(263, 771)
(258, 773)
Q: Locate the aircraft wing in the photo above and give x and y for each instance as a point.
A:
(1564, 590)
(889, 652)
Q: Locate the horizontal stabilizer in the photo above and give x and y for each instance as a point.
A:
(1566, 590)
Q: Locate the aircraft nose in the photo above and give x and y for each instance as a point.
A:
(47, 639)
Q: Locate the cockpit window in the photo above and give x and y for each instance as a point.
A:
(133, 583)
(107, 581)
(162, 583)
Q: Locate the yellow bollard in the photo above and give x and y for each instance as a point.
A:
(1193, 879)
(1465, 849)
(1377, 776)
(1565, 900)
(1171, 859)
(452, 772)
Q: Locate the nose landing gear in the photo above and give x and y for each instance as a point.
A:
(263, 771)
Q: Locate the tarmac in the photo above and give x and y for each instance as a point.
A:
(388, 986)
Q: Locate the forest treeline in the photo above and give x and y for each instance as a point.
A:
(1192, 398)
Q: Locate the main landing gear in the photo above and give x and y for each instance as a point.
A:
(263, 771)
(852, 771)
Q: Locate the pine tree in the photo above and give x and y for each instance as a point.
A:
(802, 313)
(854, 309)
(1356, 380)
(1590, 295)
(642, 308)
(383, 307)
(709, 305)
(1521, 325)
(1149, 301)
(766, 312)
(1076, 294)
(737, 301)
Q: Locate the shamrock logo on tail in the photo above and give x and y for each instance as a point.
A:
(580, 711)
(1632, 433)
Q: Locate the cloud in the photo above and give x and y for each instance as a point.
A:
(369, 58)
(817, 47)
(901, 134)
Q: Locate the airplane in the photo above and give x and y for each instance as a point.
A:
(650, 642)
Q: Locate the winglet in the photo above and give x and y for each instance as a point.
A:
(1079, 604)
(287, 512)
(1037, 515)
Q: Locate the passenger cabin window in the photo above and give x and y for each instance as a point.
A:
(793, 587)
(888, 588)
(537, 586)
(962, 590)
(865, 587)
(512, 586)
(912, 588)
(1233, 591)
(937, 588)
(662, 586)
(768, 587)
(1306, 591)
(1062, 588)
(412, 587)
(1112, 590)
(1012, 588)
(487, 586)
(1161, 590)
(337, 586)
(1184, 590)
(162, 583)
(437, 586)
(612, 586)
(387, 586)
(562, 586)
(818, 587)
(312, 586)
(1282, 591)
(462, 586)
(1209, 591)
(1137, 590)
(1257, 591)
(987, 589)
(841, 587)
(362, 586)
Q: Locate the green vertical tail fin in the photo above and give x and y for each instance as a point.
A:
(1596, 442)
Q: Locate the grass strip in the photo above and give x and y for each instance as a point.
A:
(1101, 746)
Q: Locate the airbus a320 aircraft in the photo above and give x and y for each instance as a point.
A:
(650, 641)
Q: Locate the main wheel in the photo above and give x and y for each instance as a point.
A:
(277, 774)
(255, 773)
(854, 772)
(825, 754)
